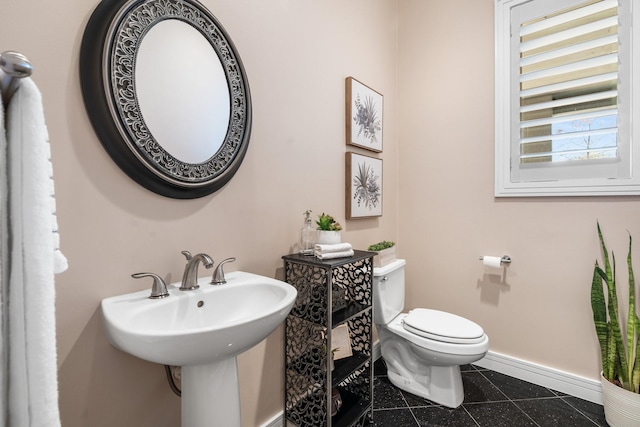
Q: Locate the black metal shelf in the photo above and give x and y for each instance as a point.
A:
(345, 367)
(353, 409)
(330, 293)
(352, 310)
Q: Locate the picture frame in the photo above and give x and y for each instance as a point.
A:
(363, 186)
(364, 116)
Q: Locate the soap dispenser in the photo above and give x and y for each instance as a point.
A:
(307, 235)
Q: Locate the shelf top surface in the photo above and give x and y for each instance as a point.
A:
(310, 259)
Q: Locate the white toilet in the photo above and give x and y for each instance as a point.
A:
(423, 349)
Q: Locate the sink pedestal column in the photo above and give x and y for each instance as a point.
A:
(210, 395)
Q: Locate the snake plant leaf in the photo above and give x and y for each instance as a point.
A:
(632, 332)
(616, 364)
(599, 308)
(606, 334)
(605, 256)
(635, 378)
(613, 361)
(620, 357)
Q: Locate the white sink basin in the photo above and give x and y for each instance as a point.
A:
(200, 326)
(202, 331)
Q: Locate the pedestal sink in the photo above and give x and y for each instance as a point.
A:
(202, 331)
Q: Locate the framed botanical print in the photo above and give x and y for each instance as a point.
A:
(364, 114)
(363, 186)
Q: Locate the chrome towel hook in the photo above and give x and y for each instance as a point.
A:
(13, 66)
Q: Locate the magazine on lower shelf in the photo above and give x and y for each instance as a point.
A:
(341, 342)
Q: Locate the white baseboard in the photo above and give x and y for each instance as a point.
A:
(571, 384)
(564, 382)
(275, 421)
(376, 352)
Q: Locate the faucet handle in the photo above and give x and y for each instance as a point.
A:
(159, 288)
(218, 275)
(187, 255)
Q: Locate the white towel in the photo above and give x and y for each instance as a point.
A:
(333, 255)
(33, 393)
(336, 247)
(4, 269)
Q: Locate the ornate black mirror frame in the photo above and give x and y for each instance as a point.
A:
(107, 70)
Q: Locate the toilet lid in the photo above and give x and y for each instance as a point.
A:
(443, 326)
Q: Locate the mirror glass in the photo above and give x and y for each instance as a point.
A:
(166, 93)
(188, 116)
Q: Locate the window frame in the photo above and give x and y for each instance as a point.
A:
(505, 117)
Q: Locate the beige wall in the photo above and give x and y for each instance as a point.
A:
(297, 56)
(539, 310)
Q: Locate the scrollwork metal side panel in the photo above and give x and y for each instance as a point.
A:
(306, 348)
(311, 284)
(357, 279)
(360, 333)
(306, 363)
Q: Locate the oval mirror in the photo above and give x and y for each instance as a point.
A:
(166, 93)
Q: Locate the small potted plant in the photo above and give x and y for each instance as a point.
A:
(386, 253)
(620, 358)
(328, 229)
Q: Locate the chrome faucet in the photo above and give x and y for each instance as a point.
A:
(159, 288)
(190, 276)
(218, 275)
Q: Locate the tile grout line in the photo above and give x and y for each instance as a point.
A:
(579, 411)
(510, 400)
(410, 410)
(555, 396)
(495, 386)
(469, 413)
(414, 417)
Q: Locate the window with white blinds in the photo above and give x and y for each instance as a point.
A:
(564, 97)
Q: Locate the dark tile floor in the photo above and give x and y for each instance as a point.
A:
(491, 399)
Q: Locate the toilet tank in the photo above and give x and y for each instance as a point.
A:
(388, 291)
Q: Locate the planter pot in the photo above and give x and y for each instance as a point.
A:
(326, 237)
(621, 407)
(384, 257)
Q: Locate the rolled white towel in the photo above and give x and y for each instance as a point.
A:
(329, 248)
(332, 255)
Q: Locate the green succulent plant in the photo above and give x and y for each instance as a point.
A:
(620, 360)
(327, 223)
(385, 244)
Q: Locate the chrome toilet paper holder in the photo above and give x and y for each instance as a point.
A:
(506, 259)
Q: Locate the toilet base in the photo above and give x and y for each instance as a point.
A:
(439, 384)
(422, 371)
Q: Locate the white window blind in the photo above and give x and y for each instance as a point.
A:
(569, 85)
(564, 97)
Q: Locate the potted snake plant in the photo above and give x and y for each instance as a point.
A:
(619, 342)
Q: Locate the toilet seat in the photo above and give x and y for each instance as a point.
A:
(396, 326)
(442, 326)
